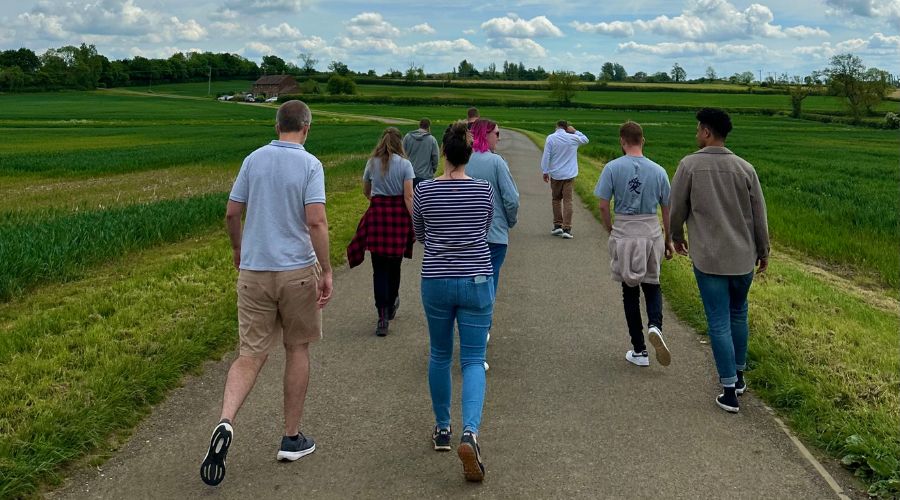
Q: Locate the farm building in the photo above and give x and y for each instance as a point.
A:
(272, 85)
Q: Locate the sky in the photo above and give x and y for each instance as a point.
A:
(731, 36)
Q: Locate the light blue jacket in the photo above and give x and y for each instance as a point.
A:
(493, 168)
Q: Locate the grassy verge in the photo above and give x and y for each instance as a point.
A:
(83, 361)
(820, 354)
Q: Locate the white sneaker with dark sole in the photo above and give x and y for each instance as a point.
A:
(557, 231)
(566, 235)
(295, 449)
(663, 356)
(638, 358)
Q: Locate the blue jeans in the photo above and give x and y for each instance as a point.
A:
(468, 302)
(725, 303)
(498, 255)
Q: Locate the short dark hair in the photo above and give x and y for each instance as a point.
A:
(424, 124)
(562, 124)
(457, 144)
(292, 116)
(472, 113)
(717, 121)
(632, 133)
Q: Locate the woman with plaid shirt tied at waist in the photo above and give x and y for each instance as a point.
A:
(385, 230)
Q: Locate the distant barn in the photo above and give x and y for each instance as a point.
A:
(273, 85)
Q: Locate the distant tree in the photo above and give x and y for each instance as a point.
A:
(744, 78)
(587, 76)
(659, 77)
(309, 63)
(491, 71)
(414, 73)
(563, 85)
(24, 58)
(711, 74)
(466, 69)
(848, 78)
(678, 73)
(393, 73)
(612, 72)
(273, 65)
(338, 84)
(798, 93)
(338, 68)
(311, 87)
(12, 78)
(640, 76)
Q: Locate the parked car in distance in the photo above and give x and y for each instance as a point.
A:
(226, 97)
(249, 98)
(274, 98)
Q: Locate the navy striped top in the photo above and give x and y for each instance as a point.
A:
(452, 218)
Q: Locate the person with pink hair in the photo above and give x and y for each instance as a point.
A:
(488, 165)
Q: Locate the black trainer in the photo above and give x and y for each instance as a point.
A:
(740, 386)
(728, 400)
(441, 438)
(295, 447)
(382, 329)
(470, 454)
(393, 310)
(212, 470)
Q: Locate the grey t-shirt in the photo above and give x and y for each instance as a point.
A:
(276, 182)
(390, 183)
(638, 185)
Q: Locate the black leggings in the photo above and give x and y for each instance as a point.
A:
(385, 279)
(631, 297)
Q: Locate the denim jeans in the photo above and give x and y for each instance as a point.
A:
(469, 303)
(631, 299)
(725, 303)
(498, 255)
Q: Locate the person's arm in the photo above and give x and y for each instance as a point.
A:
(680, 207)
(317, 221)
(367, 180)
(435, 155)
(509, 194)
(408, 195)
(367, 189)
(418, 221)
(760, 223)
(664, 197)
(545, 159)
(670, 247)
(578, 136)
(490, 214)
(234, 212)
(605, 217)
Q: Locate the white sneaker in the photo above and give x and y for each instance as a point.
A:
(638, 358)
(486, 366)
(567, 235)
(659, 345)
(557, 231)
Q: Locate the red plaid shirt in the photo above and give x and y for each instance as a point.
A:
(385, 229)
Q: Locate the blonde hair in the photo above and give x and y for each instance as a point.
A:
(391, 143)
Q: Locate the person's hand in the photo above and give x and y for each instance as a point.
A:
(236, 257)
(546, 177)
(681, 247)
(763, 265)
(324, 289)
(570, 129)
(670, 250)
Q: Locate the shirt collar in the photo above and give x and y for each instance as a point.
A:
(722, 150)
(285, 144)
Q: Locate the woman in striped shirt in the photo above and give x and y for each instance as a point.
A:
(451, 217)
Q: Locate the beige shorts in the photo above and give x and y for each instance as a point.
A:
(278, 305)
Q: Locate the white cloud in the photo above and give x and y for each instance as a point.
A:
(615, 28)
(256, 50)
(521, 46)
(512, 26)
(40, 25)
(424, 29)
(255, 6)
(888, 10)
(367, 46)
(880, 41)
(371, 25)
(189, 31)
(435, 47)
(801, 31)
(877, 44)
(226, 28)
(283, 32)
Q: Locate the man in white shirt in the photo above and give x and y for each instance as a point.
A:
(560, 167)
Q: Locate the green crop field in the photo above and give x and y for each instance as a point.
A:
(113, 252)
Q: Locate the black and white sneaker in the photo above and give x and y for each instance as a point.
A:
(295, 447)
(728, 400)
(212, 470)
(557, 230)
(470, 454)
(441, 438)
(567, 234)
(740, 386)
(638, 358)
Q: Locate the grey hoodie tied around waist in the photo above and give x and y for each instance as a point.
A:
(636, 249)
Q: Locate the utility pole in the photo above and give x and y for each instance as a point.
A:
(209, 82)
(760, 75)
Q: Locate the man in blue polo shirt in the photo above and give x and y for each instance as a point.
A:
(636, 244)
(284, 281)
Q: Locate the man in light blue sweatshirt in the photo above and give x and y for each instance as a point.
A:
(560, 167)
(421, 149)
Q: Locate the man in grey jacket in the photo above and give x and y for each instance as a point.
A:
(422, 150)
(718, 195)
